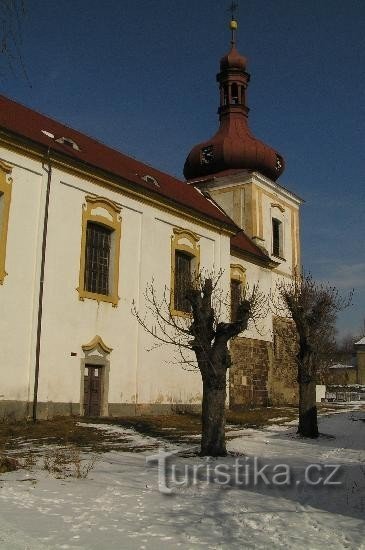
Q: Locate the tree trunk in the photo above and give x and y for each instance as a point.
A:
(213, 442)
(308, 425)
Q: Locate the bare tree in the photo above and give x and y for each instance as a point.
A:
(11, 17)
(207, 336)
(313, 307)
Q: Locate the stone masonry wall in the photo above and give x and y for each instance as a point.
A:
(264, 373)
(282, 381)
(249, 372)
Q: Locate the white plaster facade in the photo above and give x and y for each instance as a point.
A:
(135, 379)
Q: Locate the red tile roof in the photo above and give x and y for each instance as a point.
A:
(242, 242)
(26, 123)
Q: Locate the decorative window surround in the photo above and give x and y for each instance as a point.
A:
(238, 276)
(183, 240)
(5, 199)
(106, 213)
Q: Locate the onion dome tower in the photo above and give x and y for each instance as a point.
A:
(233, 147)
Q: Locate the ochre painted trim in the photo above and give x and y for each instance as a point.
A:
(92, 203)
(238, 273)
(117, 184)
(193, 249)
(294, 232)
(5, 198)
(96, 342)
(279, 206)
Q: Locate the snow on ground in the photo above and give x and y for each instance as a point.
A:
(119, 505)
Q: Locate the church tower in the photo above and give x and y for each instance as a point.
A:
(239, 171)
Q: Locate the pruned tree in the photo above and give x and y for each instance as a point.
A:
(313, 307)
(204, 333)
(11, 17)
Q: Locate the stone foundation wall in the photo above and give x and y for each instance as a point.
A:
(248, 374)
(264, 373)
(282, 382)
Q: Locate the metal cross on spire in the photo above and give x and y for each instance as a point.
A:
(233, 8)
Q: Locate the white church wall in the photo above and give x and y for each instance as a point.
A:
(136, 375)
(19, 293)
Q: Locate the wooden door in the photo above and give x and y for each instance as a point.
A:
(92, 390)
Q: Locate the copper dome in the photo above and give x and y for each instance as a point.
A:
(233, 60)
(233, 146)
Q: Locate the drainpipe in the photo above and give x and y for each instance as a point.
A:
(41, 286)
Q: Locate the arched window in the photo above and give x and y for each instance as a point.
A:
(225, 94)
(234, 94)
(238, 287)
(185, 260)
(100, 250)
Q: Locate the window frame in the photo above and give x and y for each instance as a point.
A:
(238, 275)
(185, 241)
(281, 238)
(104, 212)
(97, 231)
(5, 192)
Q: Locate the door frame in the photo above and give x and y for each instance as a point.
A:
(97, 359)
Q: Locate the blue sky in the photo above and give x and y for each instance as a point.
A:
(140, 76)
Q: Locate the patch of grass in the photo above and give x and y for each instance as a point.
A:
(67, 462)
(8, 464)
(258, 417)
(59, 431)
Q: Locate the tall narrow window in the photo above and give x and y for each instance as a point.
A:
(238, 286)
(97, 261)
(234, 94)
(236, 296)
(185, 259)
(5, 198)
(100, 249)
(276, 237)
(183, 273)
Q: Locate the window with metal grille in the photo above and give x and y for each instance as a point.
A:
(97, 260)
(236, 296)
(182, 281)
(276, 237)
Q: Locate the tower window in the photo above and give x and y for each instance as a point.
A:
(277, 237)
(225, 95)
(97, 259)
(183, 273)
(234, 94)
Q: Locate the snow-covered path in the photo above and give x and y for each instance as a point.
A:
(119, 506)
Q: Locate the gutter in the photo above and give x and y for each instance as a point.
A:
(41, 287)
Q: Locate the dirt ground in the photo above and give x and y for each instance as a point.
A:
(19, 435)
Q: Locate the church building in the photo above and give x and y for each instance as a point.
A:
(84, 229)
